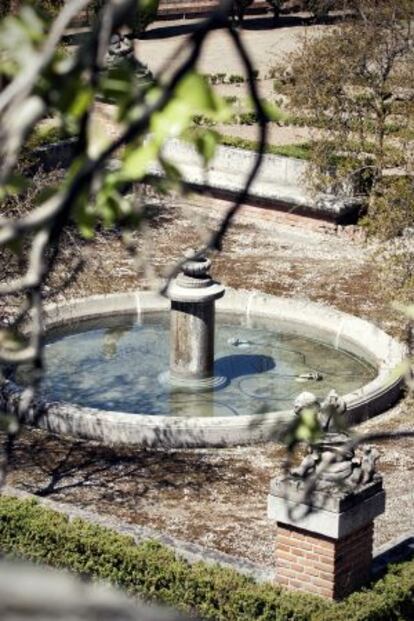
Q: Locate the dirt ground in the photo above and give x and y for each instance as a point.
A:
(218, 497)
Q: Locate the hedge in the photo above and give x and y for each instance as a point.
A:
(151, 571)
(298, 151)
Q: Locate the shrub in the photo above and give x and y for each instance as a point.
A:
(247, 118)
(319, 8)
(299, 151)
(30, 531)
(153, 572)
(216, 78)
(391, 209)
(235, 78)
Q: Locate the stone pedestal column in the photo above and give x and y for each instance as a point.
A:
(324, 547)
(193, 294)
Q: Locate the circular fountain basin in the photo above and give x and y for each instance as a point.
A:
(107, 357)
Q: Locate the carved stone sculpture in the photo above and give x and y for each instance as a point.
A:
(333, 408)
(121, 49)
(332, 461)
(329, 411)
(314, 376)
(306, 400)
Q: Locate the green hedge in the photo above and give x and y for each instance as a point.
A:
(299, 151)
(28, 530)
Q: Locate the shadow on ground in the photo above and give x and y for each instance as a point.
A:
(165, 30)
(53, 466)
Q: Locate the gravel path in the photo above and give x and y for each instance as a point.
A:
(266, 43)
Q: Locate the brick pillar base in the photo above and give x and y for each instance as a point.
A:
(314, 563)
(324, 547)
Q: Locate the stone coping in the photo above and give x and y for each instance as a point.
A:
(332, 524)
(335, 499)
(324, 323)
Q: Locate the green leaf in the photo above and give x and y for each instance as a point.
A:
(171, 171)
(196, 93)
(117, 83)
(34, 25)
(193, 96)
(84, 215)
(273, 112)
(170, 122)
(111, 206)
(81, 101)
(137, 161)
(206, 143)
(305, 428)
(86, 225)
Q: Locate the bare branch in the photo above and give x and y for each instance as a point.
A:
(36, 269)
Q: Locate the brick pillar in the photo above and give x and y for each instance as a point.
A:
(324, 548)
(333, 568)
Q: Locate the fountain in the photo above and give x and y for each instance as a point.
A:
(141, 368)
(193, 295)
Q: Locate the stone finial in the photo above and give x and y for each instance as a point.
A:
(195, 266)
(194, 283)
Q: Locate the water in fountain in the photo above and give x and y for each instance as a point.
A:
(114, 364)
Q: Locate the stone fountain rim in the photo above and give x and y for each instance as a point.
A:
(346, 332)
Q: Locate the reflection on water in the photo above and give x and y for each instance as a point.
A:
(115, 365)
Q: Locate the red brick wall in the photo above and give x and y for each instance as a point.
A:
(317, 564)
